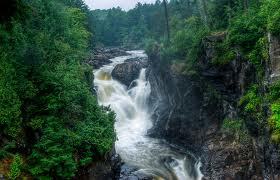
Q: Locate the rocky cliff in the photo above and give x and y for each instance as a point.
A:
(175, 101)
(189, 111)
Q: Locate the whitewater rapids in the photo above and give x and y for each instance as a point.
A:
(151, 156)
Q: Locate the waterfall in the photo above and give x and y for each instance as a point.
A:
(151, 156)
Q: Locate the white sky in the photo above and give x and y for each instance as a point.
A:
(107, 4)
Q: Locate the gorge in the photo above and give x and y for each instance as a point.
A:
(151, 156)
(183, 115)
(167, 90)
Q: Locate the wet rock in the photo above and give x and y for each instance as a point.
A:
(229, 158)
(175, 103)
(102, 56)
(115, 52)
(107, 168)
(99, 60)
(131, 173)
(143, 61)
(129, 71)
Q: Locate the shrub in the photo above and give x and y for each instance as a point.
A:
(16, 167)
(270, 10)
(274, 119)
(246, 29)
(237, 128)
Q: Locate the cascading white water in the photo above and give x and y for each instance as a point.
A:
(152, 156)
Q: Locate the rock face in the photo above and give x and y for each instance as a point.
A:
(274, 53)
(175, 102)
(231, 79)
(128, 71)
(189, 111)
(223, 157)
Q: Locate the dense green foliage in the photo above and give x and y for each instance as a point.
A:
(49, 115)
(115, 27)
(15, 169)
(236, 128)
(134, 28)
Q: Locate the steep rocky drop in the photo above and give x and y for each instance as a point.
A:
(144, 156)
(189, 111)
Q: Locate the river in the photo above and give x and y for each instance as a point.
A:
(151, 156)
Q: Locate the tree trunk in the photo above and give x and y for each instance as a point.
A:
(246, 4)
(166, 19)
(205, 12)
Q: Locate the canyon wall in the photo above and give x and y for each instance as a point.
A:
(189, 110)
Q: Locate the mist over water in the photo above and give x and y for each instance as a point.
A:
(152, 156)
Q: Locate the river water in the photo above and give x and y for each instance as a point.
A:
(151, 156)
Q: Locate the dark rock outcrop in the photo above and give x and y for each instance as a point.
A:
(128, 71)
(231, 79)
(100, 57)
(175, 103)
(107, 168)
(131, 173)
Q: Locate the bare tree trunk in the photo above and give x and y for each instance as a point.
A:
(189, 8)
(205, 12)
(246, 4)
(166, 19)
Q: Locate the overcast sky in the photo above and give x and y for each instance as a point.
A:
(106, 4)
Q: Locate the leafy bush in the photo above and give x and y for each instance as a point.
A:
(16, 167)
(237, 128)
(186, 41)
(251, 100)
(260, 52)
(270, 10)
(252, 105)
(274, 119)
(232, 126)
(246, 29)
(224, 54)
(151, 47)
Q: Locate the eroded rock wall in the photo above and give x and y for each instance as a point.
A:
(189, 111)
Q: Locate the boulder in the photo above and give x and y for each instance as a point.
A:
(131, 173)
(129, 71)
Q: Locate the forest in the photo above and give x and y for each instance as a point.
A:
(51, 123)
